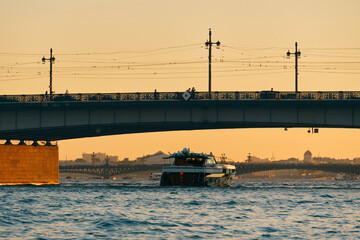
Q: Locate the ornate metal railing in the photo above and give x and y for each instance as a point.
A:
(178, 96)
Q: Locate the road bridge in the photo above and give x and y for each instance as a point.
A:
(69, 116)
(107, 171)
(243, 168)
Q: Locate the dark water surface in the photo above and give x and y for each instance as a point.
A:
(102, 209)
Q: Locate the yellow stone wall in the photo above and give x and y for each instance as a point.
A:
(29, 165)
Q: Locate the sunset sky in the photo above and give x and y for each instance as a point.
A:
(142, 45)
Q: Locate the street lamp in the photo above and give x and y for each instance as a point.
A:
(51, 59)
(297, 55)
(208, 45)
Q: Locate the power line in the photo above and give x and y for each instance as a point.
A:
(134, 52)
(253, 49)
(22, 78)
(333, 56)
(326, 49)
(157, 72)
(319, 71)
(255, 61)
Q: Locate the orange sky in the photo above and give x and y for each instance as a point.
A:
(158, 44)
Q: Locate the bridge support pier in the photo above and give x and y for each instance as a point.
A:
(23, 164)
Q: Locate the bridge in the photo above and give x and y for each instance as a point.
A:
(107, 171)
(69, 116)
(243, 168)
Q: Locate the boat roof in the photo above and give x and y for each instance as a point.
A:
(186, 153)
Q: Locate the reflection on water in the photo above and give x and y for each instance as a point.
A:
(127, 209)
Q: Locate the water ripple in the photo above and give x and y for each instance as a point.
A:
(93, 209)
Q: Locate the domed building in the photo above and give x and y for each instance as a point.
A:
(308, 157)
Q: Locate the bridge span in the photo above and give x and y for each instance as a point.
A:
(243, 168)
(107, 171)
(69, 116)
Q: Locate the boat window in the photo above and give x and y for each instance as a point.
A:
(189, 161)
(195, 161)
(210, 161)
(180, 161)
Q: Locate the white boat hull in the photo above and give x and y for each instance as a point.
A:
(201, 177)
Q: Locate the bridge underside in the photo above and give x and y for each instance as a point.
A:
(73, 132)
(69, 120)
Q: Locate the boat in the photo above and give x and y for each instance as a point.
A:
(343, 176)
(155, 176)
(340, 176)
(196, 169)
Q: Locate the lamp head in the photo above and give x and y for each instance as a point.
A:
(217, 44)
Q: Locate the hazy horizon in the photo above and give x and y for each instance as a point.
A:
(270, 158)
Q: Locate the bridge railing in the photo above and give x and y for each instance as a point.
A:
(179, 96)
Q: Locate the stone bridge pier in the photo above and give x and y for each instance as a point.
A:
(23, 164)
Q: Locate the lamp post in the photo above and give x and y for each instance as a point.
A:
(297, 55)
(51, 59)
(208, 45)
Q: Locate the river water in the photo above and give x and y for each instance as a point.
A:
(126, 209)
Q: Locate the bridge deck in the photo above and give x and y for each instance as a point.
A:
(176, 96)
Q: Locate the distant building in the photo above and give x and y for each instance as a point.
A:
(100, 156)
(254, 159)
(78, 163)
(288, 161)
(356, 161)
(156, 158)
(308, 157)
(113, 158)
(327, 160)
(324, 160)
(88, 156)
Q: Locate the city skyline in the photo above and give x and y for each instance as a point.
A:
(121, 46)
(102, 155)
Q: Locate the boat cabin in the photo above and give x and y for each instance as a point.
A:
(194, 161)
(196, 169)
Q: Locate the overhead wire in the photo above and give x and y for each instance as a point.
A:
(22, 78)
(252, 61)
(128, 51)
